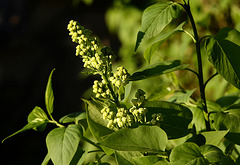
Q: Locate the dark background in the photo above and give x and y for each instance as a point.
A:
(33, 40)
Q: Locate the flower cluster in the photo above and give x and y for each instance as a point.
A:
(99, 60)
(101, 90)
(121, 119)
(139, 114)
(107, 114)
(119, 78)
(88, 48)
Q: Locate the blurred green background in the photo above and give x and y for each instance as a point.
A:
(34, 40)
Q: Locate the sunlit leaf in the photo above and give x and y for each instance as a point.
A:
(142, 138)
(157, 69)
(62, 143)
(155, 18)
(73, 117)
(223, 52)
(38, 114)
(150, 51)
(198, 119)
(37, 119)
(49, 97)
(33, 124)
(214, 137)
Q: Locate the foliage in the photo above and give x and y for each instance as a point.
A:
(176, 129)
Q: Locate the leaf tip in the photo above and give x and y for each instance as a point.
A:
(140, 36)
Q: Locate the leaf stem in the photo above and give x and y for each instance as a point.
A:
(192, 71)
(199, 60)
(190, 35)
(205, 84)
(55, 122)
(99, 159)
(91, 142)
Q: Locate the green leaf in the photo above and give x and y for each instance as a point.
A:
(31, 125)
(143, 160)
(142, 138)
(214, 137)
(176, 117)
(228, 120)
(62, 143)
(223, 52)
(73, 117)
(157, 69)
(187, 153)
(126, 157)
(198, 119)
(212, 153)
(49, 97)
(37, 119)
(227, 101)
(185, 98)
(149, 52)
(38, 114)
(191, 154)
(155, 18)
(96, 123)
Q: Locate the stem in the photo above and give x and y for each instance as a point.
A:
(115, 98)
(99, 159)
(199, 59)
(91, 142)
(55, 122)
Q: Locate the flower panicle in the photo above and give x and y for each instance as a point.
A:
(94, 56)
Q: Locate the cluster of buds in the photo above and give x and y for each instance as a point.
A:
(99, 60)
(121, 119)
(101, 90)
(107, 113)
(156, 119)
(139, 114)
(119, 78)
(88, 48)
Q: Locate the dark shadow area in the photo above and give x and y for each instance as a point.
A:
(34, 40)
